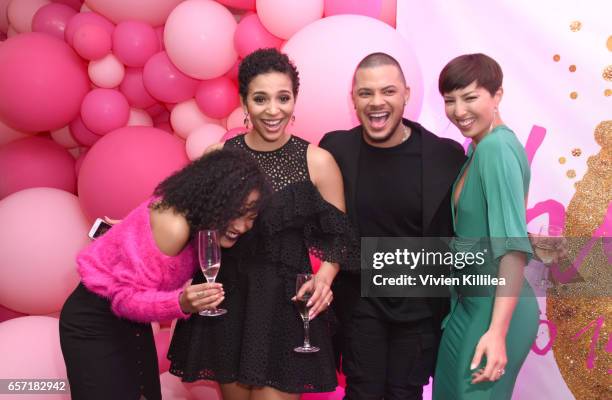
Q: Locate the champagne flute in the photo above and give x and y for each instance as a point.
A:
(304, 309)
(546, 245)
(209, 256)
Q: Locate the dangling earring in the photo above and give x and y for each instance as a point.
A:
(292, 120)
(493, 120)
(246, 120)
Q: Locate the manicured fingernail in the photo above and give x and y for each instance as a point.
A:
(472, 366)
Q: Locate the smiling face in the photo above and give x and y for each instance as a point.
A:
(270, 103)
(380, 95)
(239, 226)
(473, 110)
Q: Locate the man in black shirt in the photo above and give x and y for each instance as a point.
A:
(397, 182)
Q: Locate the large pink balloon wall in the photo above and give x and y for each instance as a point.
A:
(100, 100)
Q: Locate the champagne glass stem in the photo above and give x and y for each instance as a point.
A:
(306, 333)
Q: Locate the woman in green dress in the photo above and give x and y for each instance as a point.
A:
(486, 338)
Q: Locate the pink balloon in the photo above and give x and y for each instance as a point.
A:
(151, 12)
(107, 72)
(370, 8)
(233, 72)
(165, 82)
(202, 138)
(34, 162)
(232, 133)
(283, 18)
(92, 42)
(173, 388)
(30, 349)
(326, 53)
(186, 117)
(64, 138)
(217, 97)
(86, 18)
(388, 12)
(239, 4)
(134, 90)
(199, 37)
(42, 231)
(134, 42)
(75, 4)
(21, 13)
(158, 112)
(164, 126)
(8, 134)
(252, 35)
(52, 19)
(104, 110)
(123, 168)
(235, 119)
(82, 134)
(42, 82)
(162, 344)
(7, 313)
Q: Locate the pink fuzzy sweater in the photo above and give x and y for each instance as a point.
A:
(126, 266)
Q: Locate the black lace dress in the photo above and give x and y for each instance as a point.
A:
(253, 343)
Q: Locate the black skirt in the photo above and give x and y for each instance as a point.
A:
(106, 357)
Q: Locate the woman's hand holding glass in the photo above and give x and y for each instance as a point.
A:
(321, 298)
(204, 296)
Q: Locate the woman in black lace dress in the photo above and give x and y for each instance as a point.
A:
(249, 351)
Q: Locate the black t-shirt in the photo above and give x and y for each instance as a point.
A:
(389, 202)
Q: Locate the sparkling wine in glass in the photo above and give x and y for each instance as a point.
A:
(209, 255)
(546, 246)
(304, 309)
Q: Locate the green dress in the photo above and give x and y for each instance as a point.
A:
(491, 205)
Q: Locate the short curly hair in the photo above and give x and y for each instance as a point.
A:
(263, 61)
(212, 190)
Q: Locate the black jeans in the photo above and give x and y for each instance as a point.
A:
(385, 359)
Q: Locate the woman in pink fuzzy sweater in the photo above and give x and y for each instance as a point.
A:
(136, 274)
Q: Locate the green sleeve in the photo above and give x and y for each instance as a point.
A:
(504, 172)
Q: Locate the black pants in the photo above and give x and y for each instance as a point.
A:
(387, 360)
(106, 357)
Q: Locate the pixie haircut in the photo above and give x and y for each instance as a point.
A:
(463, 70)
(376, 60)
(263, 61)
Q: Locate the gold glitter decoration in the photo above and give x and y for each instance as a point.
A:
(608, 92)
(575, 26)
(562, 160)
(572, 313)
(576, 152)
(571, 173)
(574, 95)
(609, 43)
(556, 57)
(572, 68)
(607, 73)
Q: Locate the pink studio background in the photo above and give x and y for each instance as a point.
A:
(102, 99)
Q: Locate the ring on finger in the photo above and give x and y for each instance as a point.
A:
(500, 372)
(200, 294)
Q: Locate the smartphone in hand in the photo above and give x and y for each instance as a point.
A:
(98, 228)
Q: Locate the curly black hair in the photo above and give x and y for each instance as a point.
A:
(263, 61)
(212, 190)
